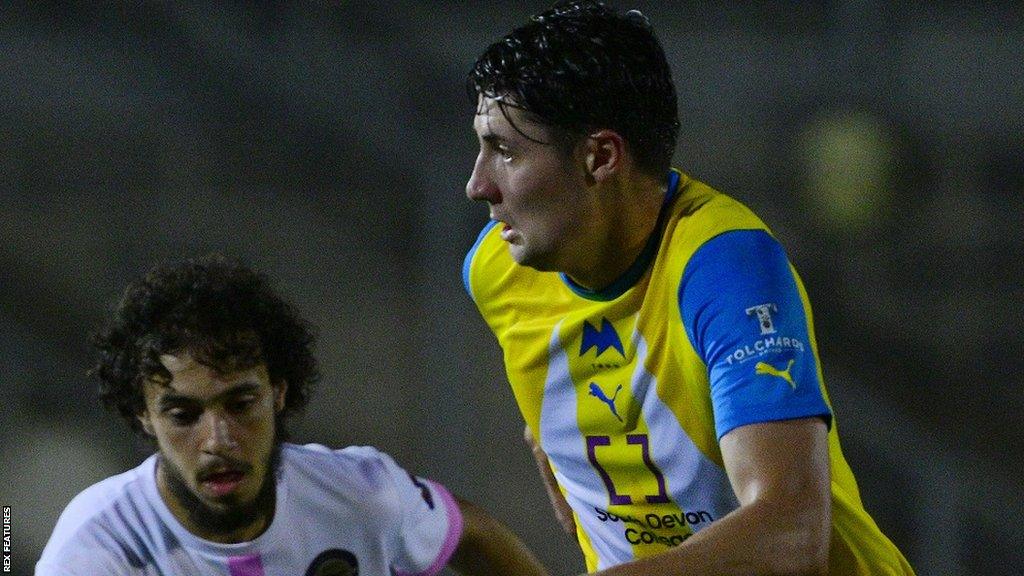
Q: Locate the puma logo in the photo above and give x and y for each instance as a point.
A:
(596, 392)
(768, 369)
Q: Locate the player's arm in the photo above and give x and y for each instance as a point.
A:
(563, 512)
(487, 547)
(773, 429)
(780, 473)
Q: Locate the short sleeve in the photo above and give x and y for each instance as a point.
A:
(430, 523)
(745, 316)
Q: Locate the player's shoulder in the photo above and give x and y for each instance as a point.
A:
(95, 501)
(358, 468)
(499, 286)
(98, 514)
(701, 212)
(698, 215)
(487, 256)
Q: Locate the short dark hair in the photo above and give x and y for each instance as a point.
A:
(580, 66)
(227, 316)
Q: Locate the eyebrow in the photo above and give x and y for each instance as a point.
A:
(171, 398)
(493, 139)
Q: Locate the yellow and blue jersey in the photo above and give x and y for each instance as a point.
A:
(630, 388)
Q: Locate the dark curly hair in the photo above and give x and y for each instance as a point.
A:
(579, 67)
(227, 316)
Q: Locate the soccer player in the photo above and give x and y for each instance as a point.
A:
(207, 361)
(657, 340)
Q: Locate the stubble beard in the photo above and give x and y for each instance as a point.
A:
(235, 517)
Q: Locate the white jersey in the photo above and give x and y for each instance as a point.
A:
(338, 512)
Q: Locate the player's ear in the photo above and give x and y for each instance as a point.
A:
(280, 391)
(605, 154)
(146, 422)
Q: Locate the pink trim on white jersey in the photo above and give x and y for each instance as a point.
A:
(451, 540)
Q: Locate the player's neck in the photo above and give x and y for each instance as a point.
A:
(244, 534)
(630, 217)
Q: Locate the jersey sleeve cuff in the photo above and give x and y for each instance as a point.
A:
(451, 540)
(727, 425)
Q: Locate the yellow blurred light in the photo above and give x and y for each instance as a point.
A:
(847, 162)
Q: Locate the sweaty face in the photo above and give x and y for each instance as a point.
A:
(534, 189)
(216, 434)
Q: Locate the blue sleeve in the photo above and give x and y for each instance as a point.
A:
(469, 256)
(742, 311)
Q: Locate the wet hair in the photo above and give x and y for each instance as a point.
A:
(580, 67)
(225, 315)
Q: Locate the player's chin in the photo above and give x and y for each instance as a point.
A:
(229, 503)
(538, 260)
(524, 253)
(519, 253)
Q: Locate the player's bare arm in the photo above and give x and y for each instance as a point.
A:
(563, 512)
(488, 548)
(780, 473)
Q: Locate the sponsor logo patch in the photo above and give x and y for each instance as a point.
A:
(764, 317)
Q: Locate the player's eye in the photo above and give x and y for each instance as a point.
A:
(182, 416)
(241, 405)
(499, 146)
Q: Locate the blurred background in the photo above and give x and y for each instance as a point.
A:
(328, 145)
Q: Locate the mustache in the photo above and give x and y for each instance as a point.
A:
(222, 465)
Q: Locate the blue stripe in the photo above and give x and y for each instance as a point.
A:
(468, 262)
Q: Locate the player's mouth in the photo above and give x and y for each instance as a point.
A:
(222, 483)
(509, 234)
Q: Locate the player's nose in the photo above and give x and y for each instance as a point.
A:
(218, 435)
(480, 187)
